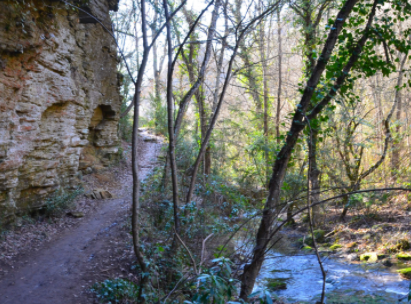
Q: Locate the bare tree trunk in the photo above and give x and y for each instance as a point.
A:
(314, 174)
(396, 149)
(243, 53)
(155, 56)
(135, 160)
(170, 115)
(280, 76)
(265, 96)
(149, 48)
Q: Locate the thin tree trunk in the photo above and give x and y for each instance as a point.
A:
(244, 54)
(396, 149)
(280, 76)
(170, 117)
(314, 177)
(265, 98)
(135, 161)
(155, 56)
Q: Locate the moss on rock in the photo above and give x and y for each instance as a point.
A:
(276, 284)
(335, 246)
(405, 273)
(370, 257)
(404, 256)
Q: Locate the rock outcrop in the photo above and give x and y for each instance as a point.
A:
(59, 98)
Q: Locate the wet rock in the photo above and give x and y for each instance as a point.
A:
(370, 257)
(387, 262)
(353, 257)
(276, 284)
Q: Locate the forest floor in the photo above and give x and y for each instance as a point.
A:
(385, 231)
(57, 260)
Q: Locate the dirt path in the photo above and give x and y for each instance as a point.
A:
(64, 269)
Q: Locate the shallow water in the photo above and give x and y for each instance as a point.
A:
(345, 284)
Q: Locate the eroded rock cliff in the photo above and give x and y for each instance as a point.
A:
(59, 98)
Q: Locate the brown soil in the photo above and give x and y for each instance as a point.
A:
(58, 260)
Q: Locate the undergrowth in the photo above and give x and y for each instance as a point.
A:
(57, 204)
(214, 214)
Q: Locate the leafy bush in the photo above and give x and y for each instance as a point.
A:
(116, 291)
(157, 116)
(216, 285)
(57, 204)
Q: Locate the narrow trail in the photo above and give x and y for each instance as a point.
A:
(62, 270)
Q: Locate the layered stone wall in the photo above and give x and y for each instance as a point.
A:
(59, 98)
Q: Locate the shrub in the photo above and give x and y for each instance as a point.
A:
(57, 204)
(117, 291)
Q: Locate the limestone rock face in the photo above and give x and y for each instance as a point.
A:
(59, 98)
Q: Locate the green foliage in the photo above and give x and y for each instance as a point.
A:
(116, 291)
(355, 200)
(335, 246)
(157, 116)
(277, 283)
(405, 272)
(215, 285)
(262, 296)
(57, 204)
(126, 123)
(125, 127)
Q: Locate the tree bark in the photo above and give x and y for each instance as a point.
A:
(155, 55)
(280, 76)
(170, 119)
(265, 98)
(396, 149)
(135, 160)
(314, 177)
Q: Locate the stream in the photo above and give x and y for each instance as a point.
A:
(346, 283)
